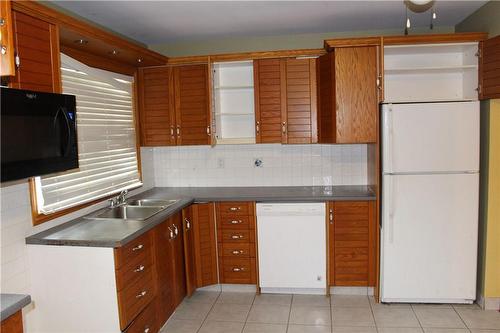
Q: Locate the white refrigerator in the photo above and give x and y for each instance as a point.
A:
(430, 198)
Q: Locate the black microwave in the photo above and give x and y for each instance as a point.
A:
(38, 133)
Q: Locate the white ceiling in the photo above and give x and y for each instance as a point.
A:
(153, 22)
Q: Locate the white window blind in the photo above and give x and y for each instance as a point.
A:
(106, 139)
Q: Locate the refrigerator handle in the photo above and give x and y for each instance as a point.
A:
(390, 139)
(391, 198)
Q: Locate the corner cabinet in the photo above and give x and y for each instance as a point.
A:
(37, 57)
(489, 68)
(349, 81)
(352, 243)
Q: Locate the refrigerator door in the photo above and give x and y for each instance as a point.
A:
(430, 137)
(429, 238)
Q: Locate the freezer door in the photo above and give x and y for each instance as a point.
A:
(430, 137)
(429, 238)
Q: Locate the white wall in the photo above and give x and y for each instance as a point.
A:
(16, 224)
(286, 165)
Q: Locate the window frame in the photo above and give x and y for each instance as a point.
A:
(38, 218)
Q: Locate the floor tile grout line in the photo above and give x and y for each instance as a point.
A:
(330, 296)
(459, 316)
(373, 314)
(248, 314)
(208, 313)
(289, 315)
(418, 319)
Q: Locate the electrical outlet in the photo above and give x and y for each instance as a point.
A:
(258, 162)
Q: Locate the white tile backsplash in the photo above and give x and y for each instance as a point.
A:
(283, 165)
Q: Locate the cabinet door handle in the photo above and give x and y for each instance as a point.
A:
(238, 269)
(171, 233)
(139, 269)
(141, 294)
(237, 252)
(235, 209)
(236, 221)
(283, 127)
(4, 49)
(188, 224)
(138, 247)
(178, 130)
(257, 127)
(176, 230)
(208, 130)
(331, 216)
(146, 330)
(171, 130)
(236, 236)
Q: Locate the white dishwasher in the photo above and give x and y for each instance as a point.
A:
(292, 247)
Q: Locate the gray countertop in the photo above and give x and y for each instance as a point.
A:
(115, 233)
(11, 303)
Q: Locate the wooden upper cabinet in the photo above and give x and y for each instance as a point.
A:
(349, 95)
(270, 101)
(489, 68)
(300, 118)
(7, 40)
(37, 46)
(285, 100)
(156, 102)
(192, 105)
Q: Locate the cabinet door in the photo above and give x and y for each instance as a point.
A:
(37, 46)
(165, 281)
(7, 55)
(489, 71)
(327, 116)
(156, 106)
(356, 94)
(192, 105)
(189, 259)
(352, 235)
(177, 244)
(205, 251)
(300, 120)
(269, 92)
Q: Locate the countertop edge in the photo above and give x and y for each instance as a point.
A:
(17, 305)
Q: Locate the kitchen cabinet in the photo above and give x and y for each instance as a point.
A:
(189, 258)
(204, 244)
(13, 324)
(349, 82)
(169, 262)
(156, 102)
(7, 41)
(352, 243)
(236, 242)
(145, 321)
(192, 105)
(285, 100)
(489, 68)
(36, 45)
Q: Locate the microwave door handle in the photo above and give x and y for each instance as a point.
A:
(68, 129)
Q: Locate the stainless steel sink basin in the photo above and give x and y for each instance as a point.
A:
(150, 203)
(128, 212)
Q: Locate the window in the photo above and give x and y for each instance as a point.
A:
(107, 150)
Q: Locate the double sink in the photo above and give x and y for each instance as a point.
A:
(140, 209)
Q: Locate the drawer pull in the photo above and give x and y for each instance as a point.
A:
(138, 247)
(139, 269)
(171, 234)
(236, 221)
(146, 330)
(236, 236)
(142, 294)
(235, 209)
(238, 269)
(236, 252)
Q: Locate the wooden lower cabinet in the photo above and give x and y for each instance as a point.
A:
(146, 321)
(352, 243)
(13, 324)
(236, 242)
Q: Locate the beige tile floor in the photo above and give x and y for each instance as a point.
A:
(228, 312)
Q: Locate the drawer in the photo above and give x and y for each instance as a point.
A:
(133, 270)
(145, 321)
(240, 270)
(236, 208)
(236, 222)
(237, 236)
(237, 250)
(134, 298)
(132, 250)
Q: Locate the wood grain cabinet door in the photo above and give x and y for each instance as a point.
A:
(300, 120)
(270, 99)
(352, 234)
(189, 259)
(205, 244)
(37, 46)
(192, 105)
(156, 106)
(7, 56)
(489, 68)
(178, 264)
(356, 94)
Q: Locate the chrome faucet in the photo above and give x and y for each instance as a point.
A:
(119, 199)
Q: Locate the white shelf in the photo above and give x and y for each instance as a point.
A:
(234, 114)
(234, 88)
(235, 141)
(429, 70)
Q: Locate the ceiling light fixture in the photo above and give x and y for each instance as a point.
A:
(419, 6)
